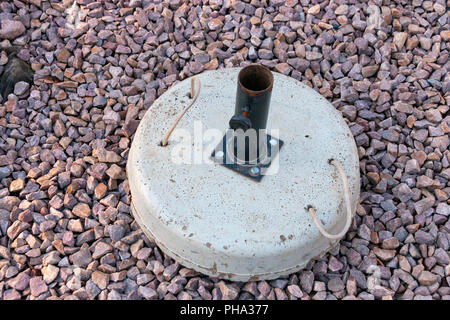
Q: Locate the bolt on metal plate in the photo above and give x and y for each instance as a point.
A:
(254, 170)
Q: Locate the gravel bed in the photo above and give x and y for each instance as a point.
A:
(66, 231)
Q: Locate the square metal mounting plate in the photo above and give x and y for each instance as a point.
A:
(253, 171)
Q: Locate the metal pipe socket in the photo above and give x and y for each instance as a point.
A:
(254, 90)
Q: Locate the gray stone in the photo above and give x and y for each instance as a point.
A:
(37, 286)
(423, 237)
(21, 88)
(11, 29)
(307, 281)
(82, 258)
(335, 284)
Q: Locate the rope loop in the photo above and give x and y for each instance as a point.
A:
(194, 97)
(347, 204)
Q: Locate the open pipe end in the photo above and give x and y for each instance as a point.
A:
(255, 79)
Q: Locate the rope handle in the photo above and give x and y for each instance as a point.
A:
(194, 97)
(347, 204)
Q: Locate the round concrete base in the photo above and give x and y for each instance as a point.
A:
(221, 223)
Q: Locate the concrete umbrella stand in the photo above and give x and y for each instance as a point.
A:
(221, 223)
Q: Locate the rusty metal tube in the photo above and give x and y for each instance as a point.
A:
(254, 90)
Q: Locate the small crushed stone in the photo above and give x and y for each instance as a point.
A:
(66, 231)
